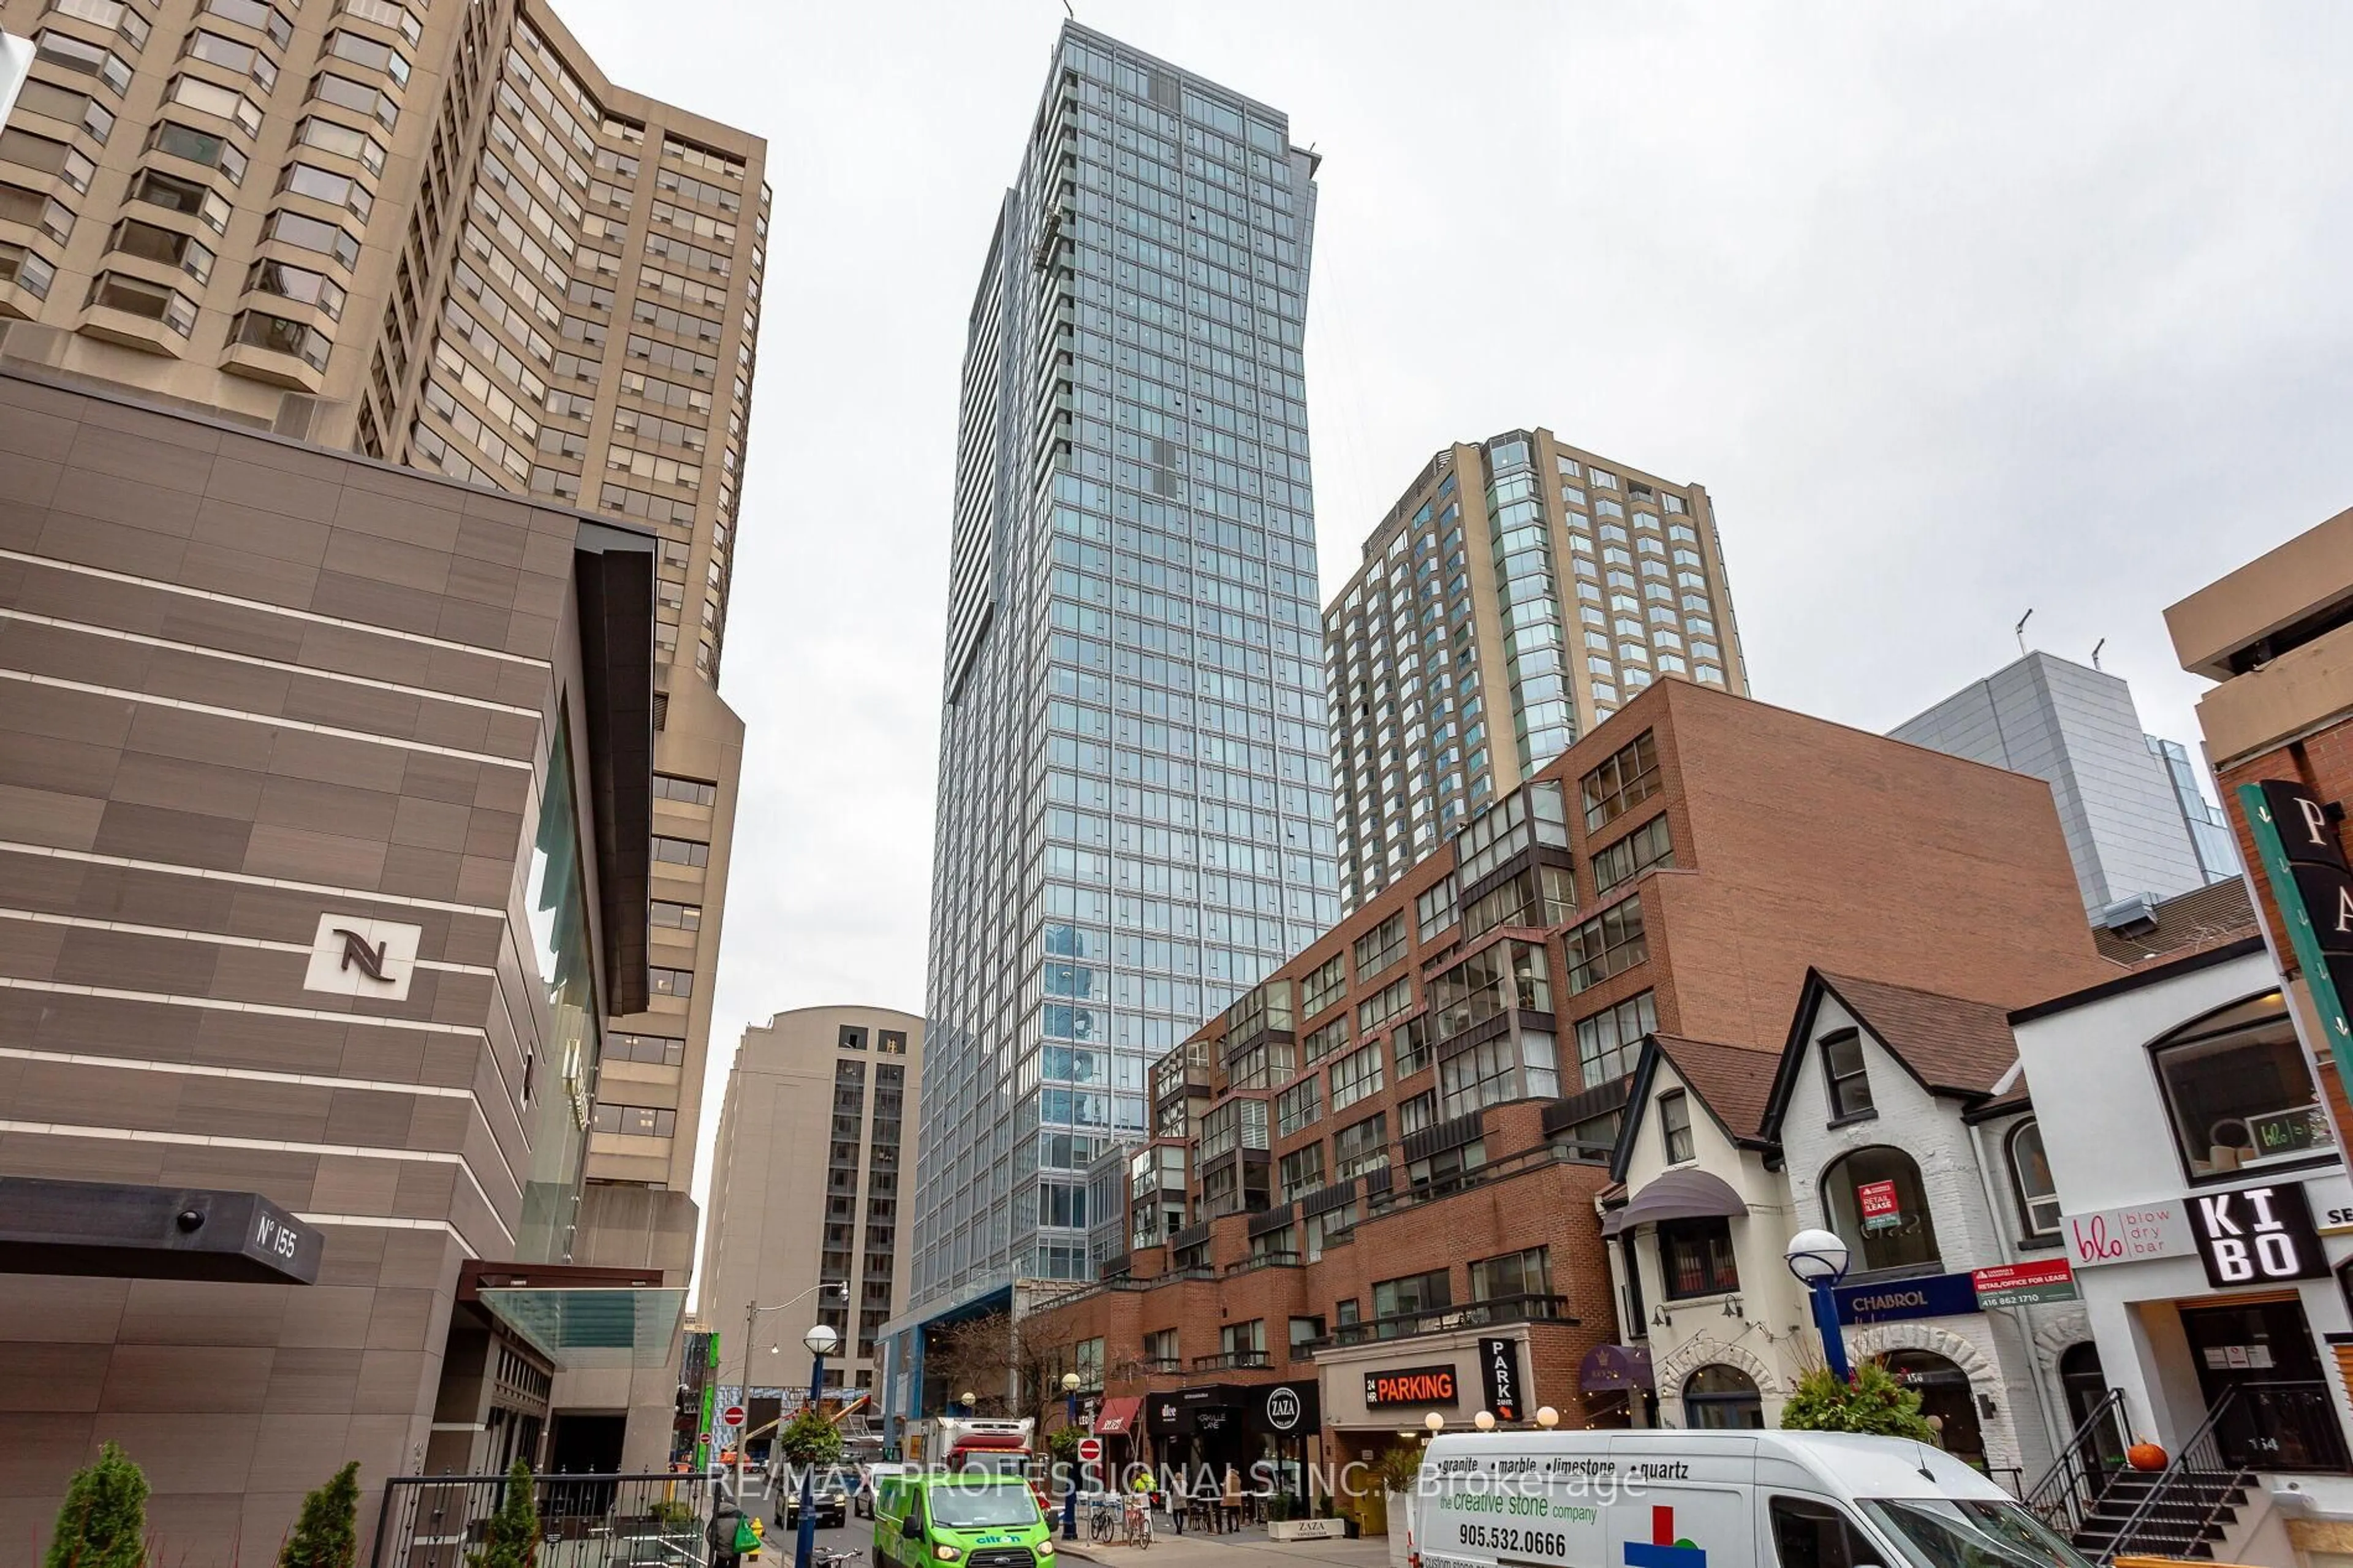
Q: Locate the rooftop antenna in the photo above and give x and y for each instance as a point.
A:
(2019, 631)
(1073, 15)
(2095, 652)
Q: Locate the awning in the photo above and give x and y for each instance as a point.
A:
(1117, 1416)
(580, 1316)
(1678, 1195)
(1614, 1366)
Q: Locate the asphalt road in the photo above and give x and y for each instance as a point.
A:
(776, 1551)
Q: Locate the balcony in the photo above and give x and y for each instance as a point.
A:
(1233, 1361)
(1560, 1151)
(1276, 1259)
(1485, 1314)
(1159, 1366)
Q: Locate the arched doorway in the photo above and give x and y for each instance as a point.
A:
(1720, 1398)
(2085, 1385)
(1945, 1399)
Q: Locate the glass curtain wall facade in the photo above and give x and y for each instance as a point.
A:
(1133, 822)
(1520, 593)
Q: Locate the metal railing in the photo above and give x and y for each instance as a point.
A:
(2284, 1426)
(2093, 1453)
(1232, 1360)
(2187, 1496)
(1269, 1260)
(583, 1522)
(1559, 1152)
(1449, 1320)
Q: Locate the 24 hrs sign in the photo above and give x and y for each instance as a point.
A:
(2257, 1235)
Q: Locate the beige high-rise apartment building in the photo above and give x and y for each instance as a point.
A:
(438, 234)
(807, 1187)
(1519, 593)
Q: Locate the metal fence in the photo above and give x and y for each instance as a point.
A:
(583, 1521)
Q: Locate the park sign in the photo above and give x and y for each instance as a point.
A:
(2313, 885)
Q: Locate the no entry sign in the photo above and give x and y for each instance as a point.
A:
(1089, 1450)
(733, 1416)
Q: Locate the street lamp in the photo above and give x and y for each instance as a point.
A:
(1547, 1417)
(970, 1408)
(752, 1312)
(1819, 1260)
(1485, 1421)
(1070, 1491)
(821, 1340)
(1435, 1422)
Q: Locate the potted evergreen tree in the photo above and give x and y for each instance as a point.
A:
(327, 1534)
(103, 1521)
(512, 1540)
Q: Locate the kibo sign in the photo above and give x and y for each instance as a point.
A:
(2257, 1235)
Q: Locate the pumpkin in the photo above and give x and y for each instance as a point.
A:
(2144, 1457)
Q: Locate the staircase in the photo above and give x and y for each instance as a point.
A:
(2108, 1511)
(2179, 1513)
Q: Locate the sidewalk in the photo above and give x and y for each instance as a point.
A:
(1248, 1548)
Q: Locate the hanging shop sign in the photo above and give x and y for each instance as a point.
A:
(2257, 1235)
(1499, 1370)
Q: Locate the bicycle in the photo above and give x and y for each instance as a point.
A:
(1139, 1522)
(1103, 1519)
(835, 1557)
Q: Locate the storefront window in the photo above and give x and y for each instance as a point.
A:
(1875, 1202)
(562, 1066)
(2239, 1092)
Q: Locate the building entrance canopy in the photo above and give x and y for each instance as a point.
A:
(582, 1317)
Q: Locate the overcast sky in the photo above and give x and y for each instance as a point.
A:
(1956, 311)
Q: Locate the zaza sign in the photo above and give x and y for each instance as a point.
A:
(2257, 1235)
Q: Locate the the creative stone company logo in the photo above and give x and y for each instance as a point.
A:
(1665, 1549)
(351, 956)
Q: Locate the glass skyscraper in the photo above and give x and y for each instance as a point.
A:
(1134, 815)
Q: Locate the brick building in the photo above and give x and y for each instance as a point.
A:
(1385, 1159)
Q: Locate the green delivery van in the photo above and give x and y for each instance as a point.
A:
(972, 1520)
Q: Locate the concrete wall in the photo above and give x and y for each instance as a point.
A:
(248, 683)
(769, 1198)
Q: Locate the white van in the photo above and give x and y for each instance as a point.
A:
(1716, 1500)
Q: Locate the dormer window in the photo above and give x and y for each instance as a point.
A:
(1849, 1086)
(1674, 1126)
